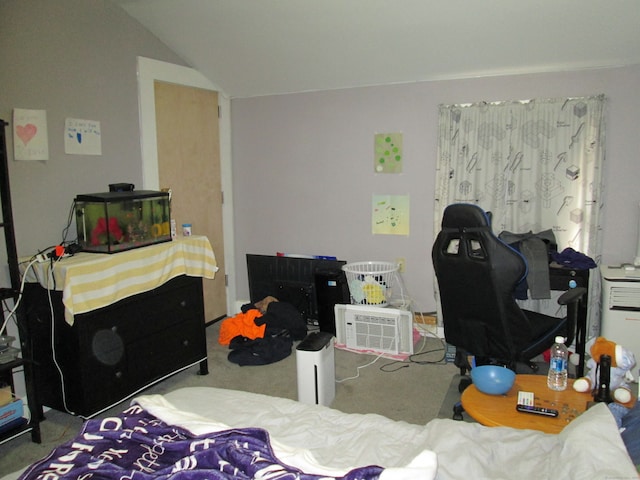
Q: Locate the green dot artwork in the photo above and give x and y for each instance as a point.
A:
(388, 153)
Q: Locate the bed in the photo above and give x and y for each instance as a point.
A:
(312, 442)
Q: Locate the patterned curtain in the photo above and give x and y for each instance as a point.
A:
(536, 165)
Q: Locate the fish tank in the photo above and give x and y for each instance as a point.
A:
(112, 222)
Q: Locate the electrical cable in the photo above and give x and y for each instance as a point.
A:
(53, 337)
(442, 348)
(440, 361)
(65, 230)
(425, 333)
(411, 360)
(359, 368)
(10, 315)
(15, 307)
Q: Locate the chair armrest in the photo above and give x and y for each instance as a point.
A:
(573, 295)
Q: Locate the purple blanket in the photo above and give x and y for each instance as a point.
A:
(138, 446)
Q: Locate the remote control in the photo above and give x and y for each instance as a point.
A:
(548, 412)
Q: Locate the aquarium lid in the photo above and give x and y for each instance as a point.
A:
(119, 196)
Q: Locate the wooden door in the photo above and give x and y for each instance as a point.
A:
(189, 163)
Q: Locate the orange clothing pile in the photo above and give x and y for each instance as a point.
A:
(242, 324)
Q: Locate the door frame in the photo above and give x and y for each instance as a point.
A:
(150, 70)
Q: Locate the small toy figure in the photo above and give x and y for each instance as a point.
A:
(622, 361)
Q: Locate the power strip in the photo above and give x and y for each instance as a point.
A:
(45, 257)
(54, 254)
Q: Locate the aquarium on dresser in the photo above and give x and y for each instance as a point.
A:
(111, 222)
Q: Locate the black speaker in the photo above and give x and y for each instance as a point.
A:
(107, 346)
(331, 289)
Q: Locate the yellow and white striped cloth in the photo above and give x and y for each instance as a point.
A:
(94, 280)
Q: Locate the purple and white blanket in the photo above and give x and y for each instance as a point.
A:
(136, 445)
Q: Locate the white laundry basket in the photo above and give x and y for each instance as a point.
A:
(372, 283)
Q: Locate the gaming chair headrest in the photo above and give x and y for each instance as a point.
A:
(465, 215)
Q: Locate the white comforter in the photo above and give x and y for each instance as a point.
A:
(321, 440)
(588, 448)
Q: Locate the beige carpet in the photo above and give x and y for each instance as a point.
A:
(414, 391)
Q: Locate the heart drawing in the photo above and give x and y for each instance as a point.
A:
(26, 132)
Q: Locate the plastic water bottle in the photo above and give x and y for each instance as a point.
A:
(557, 377)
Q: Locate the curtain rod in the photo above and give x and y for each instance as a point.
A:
(599, 96)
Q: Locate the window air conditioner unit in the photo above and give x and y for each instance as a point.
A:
(379, 329)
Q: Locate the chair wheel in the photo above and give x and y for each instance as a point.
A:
(457, 412)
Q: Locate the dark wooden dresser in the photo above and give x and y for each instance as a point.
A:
(111, 353)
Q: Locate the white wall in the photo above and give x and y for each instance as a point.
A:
(78, 59)
(302, 163)
(303, 167)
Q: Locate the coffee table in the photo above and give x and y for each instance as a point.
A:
(500, 410)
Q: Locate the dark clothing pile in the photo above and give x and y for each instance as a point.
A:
(283, 324)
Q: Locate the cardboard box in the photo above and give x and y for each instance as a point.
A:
(11, 412)
(426, 323)
(5, 395)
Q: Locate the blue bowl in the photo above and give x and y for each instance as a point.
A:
(493, 379)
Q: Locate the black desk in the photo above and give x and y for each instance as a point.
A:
(559, 278)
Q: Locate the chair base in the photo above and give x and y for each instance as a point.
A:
(465, 381)
(458, 410)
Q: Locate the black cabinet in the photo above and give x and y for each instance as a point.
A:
(113, 352)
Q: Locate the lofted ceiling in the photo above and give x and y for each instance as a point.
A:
(264, 47)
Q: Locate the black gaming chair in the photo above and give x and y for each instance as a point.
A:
(477, 274)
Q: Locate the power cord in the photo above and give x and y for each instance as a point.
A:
(65, 230)
(396, 365)
(17, 303)
(360, 368)
(53, 337)
(412, 359)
